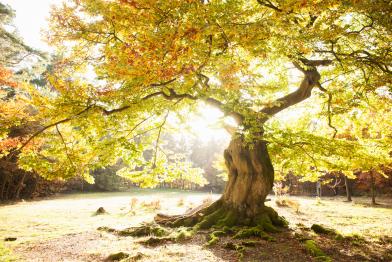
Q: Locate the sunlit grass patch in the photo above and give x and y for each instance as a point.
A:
(70, 218)
(6, 254)
(346, 217)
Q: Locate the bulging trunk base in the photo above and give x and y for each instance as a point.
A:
(221, 215)
(250, 179)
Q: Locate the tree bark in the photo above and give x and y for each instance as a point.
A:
(2, 189)
(348, 188)
(20, 185)
(251, 177)
(373, 187)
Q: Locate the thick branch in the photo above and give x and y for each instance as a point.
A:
(172, 95)
(304, 91)
(52, 125)
(239, 118)
(269, 4)
(322, 62)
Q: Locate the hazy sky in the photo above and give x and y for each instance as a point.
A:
(31, 17)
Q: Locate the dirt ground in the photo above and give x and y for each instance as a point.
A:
(65, 229)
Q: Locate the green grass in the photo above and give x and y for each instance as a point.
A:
(347, 218)
(74, 213)
(5, 254)
(66, 217)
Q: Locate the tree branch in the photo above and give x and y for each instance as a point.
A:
(49, 126)
(269, 4)
(311, 79)
(329, 109)
(158, 138)
(65, 147)
(173, 95)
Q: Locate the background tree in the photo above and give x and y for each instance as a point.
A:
(16, 121)
(152, 58)
(370, 181)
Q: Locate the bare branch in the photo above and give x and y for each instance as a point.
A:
(158, 138)
(65, 147)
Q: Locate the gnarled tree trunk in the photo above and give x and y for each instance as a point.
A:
(251, 177)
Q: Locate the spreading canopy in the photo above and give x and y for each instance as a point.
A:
(129, 65)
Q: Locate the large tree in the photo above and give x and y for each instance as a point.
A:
(130, 65)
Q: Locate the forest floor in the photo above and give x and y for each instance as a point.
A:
(64, 228)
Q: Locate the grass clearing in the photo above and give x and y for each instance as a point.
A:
(348, 218)
(64, 228)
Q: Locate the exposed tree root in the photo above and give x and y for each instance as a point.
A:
(236, 247)
(219, 215)
(144, 230)
(318, 229)
(253, 232)
(156, 234)
(227, 220)
(121, 256)
(214, 237)
(224, 219)
(117, 256)
(155, 241)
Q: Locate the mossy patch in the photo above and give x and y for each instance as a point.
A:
(315, 251)
(355, 239)
(339, 237)
(155, 241)
(250, 243)
(214, 237)
(301, 237)
(117, 256)
(144, 230)
(184, 234)
(106, 229)
(230, 219)
(136, 257)
(236, 247)
(318, 229)
(100, 211)
(211, 219)
(253, 232)
(122, 256)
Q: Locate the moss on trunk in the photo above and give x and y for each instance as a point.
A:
(251, 177)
